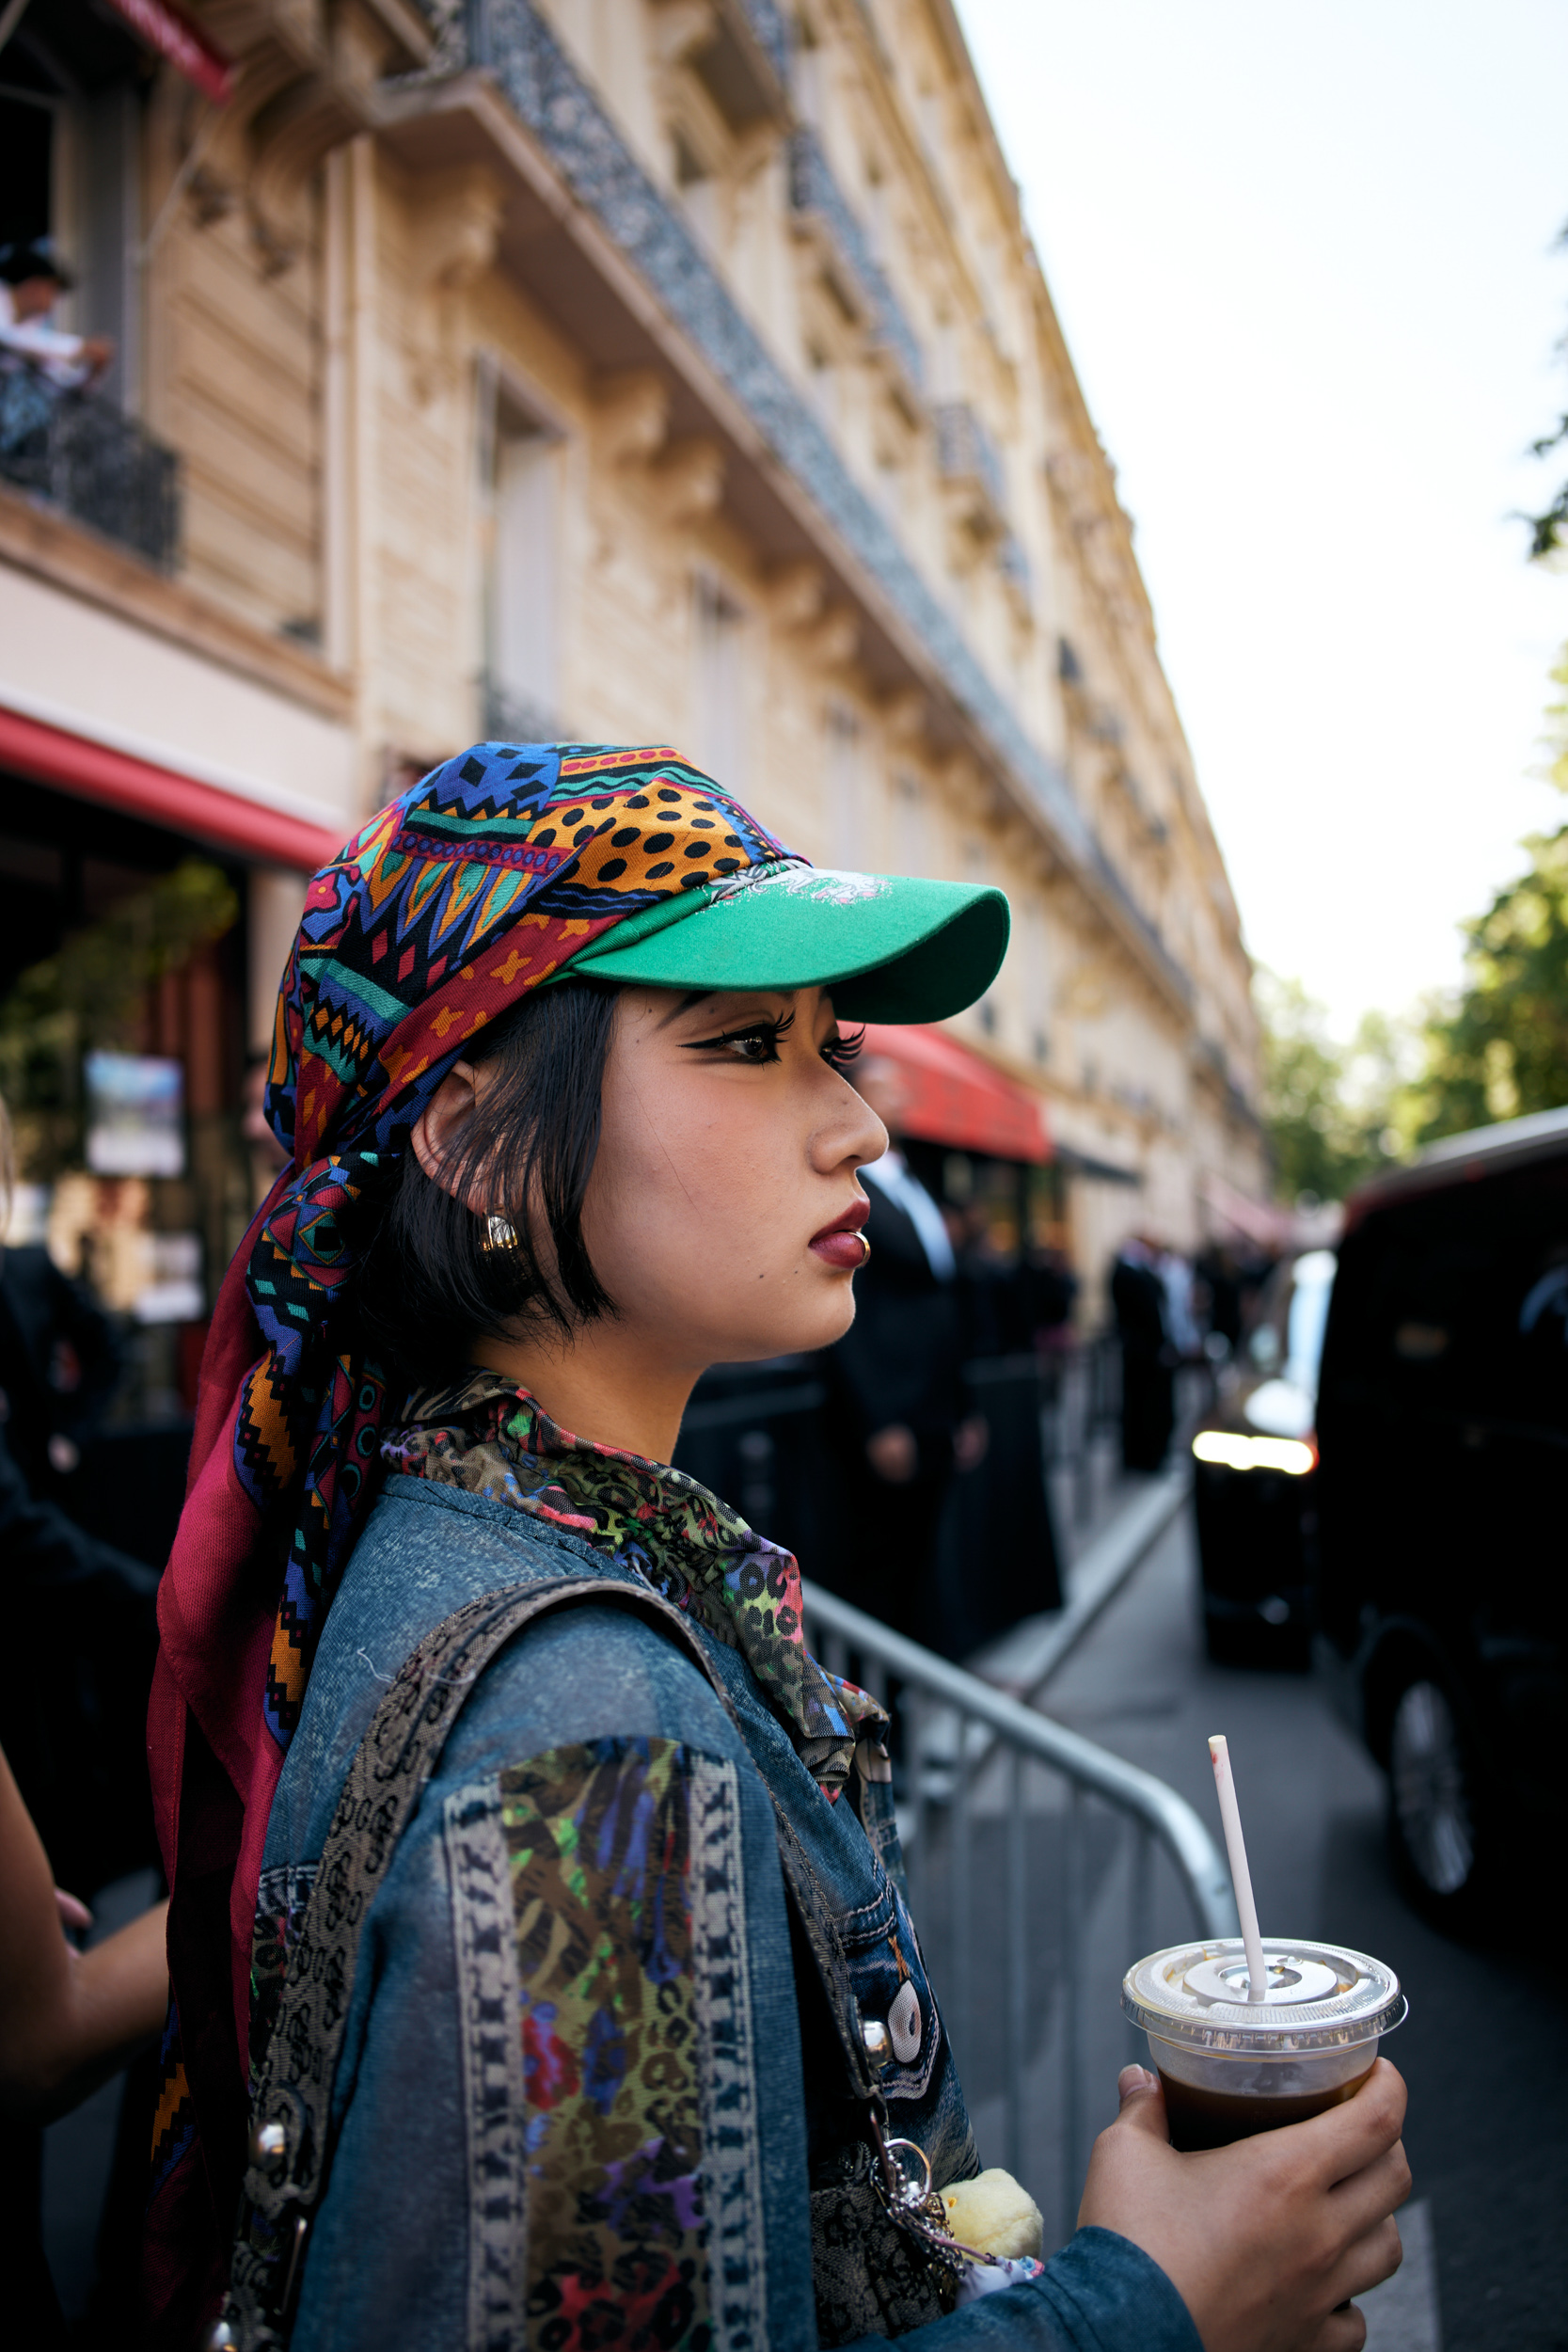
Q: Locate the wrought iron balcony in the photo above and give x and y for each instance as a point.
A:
(814, 193)
(966, 452)
(102, 468)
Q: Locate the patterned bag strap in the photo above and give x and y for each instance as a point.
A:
(291, 2111)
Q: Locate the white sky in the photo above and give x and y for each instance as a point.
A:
(1305, 262)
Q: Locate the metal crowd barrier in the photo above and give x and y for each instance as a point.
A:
(1040, 1867)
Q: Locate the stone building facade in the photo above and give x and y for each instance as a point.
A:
(660, 370)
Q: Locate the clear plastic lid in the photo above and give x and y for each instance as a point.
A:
(1321, 1996)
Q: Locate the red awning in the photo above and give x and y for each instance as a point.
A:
(188, 48)
(956, 1099)
(160, 796)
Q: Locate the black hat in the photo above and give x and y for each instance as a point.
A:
(33, 257)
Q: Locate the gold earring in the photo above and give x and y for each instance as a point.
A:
(497, 1234)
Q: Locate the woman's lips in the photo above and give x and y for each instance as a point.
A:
(839, 1243)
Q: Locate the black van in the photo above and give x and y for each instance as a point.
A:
(1443, 1498)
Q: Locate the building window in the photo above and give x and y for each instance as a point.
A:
(718, 729)
(1035, 980)
(849, 790)
(522, 695)
(912, 854)
(71, 168)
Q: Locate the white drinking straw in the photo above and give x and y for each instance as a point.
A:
(1241, 1877)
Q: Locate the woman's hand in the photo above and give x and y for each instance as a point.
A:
(68, 2020)
(1267, 2240)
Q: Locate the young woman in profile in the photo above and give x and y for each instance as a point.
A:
(542, 1881)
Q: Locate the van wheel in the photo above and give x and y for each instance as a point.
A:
(1436, 1812)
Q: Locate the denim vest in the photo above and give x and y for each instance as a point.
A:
(417, 2239)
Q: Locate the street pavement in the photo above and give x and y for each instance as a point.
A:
(1487, 2132)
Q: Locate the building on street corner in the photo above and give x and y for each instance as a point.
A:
(651, 369)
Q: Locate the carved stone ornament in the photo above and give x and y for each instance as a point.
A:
(690, 479)
(459, 225)
(631, 416)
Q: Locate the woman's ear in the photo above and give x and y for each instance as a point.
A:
(442, 1126)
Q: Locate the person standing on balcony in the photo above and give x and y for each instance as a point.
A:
(38, 361)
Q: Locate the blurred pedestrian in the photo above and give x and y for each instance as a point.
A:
(997, 1558)
(1141, 1304)
(1181, 1313)
(899, 1408)
(1220, 1273)
(82, 1615)
(1053, 1294)
(59, 1365)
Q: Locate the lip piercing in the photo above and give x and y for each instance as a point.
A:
(865, 1247)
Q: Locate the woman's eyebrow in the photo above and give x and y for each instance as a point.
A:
(703, 996)
(692, 996)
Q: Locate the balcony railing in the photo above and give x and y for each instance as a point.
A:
(966, 452)
(815, 191)
(77, 451)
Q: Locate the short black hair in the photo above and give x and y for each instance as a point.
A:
(428, 1285)
(27, 258)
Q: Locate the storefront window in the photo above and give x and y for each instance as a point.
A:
(122, 1049)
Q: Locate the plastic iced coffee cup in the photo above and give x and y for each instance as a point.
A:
(1232, 2066)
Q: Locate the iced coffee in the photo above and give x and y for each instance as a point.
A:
(1233, 2064)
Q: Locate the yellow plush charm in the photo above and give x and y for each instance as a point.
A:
(993, 2214)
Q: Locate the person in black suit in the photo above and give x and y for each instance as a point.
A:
(898, 1410)
(59, 1365)
(81, 1615)
(1148, 1356)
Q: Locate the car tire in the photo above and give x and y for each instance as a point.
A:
(1436, 1810)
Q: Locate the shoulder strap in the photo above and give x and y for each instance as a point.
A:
(290, 2112)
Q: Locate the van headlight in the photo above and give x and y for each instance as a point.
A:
(1234, 1451)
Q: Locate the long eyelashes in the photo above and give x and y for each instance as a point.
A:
(765, 1035)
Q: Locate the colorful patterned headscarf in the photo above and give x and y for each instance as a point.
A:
(474, 886)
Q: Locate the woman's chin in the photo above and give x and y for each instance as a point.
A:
(799, 1334)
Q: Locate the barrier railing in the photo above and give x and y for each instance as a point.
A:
(1035, 1864)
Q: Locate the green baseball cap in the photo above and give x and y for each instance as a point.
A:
(891, 946)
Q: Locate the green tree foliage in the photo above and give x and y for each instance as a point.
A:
(93, 993)
(1501, 1051)
(1326, 1106)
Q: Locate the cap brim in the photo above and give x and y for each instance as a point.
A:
(891, 946)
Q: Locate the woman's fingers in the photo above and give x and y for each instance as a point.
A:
(1368, 2263)
(1347, 2138)
(1379, 2189)
(1341, 2331)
